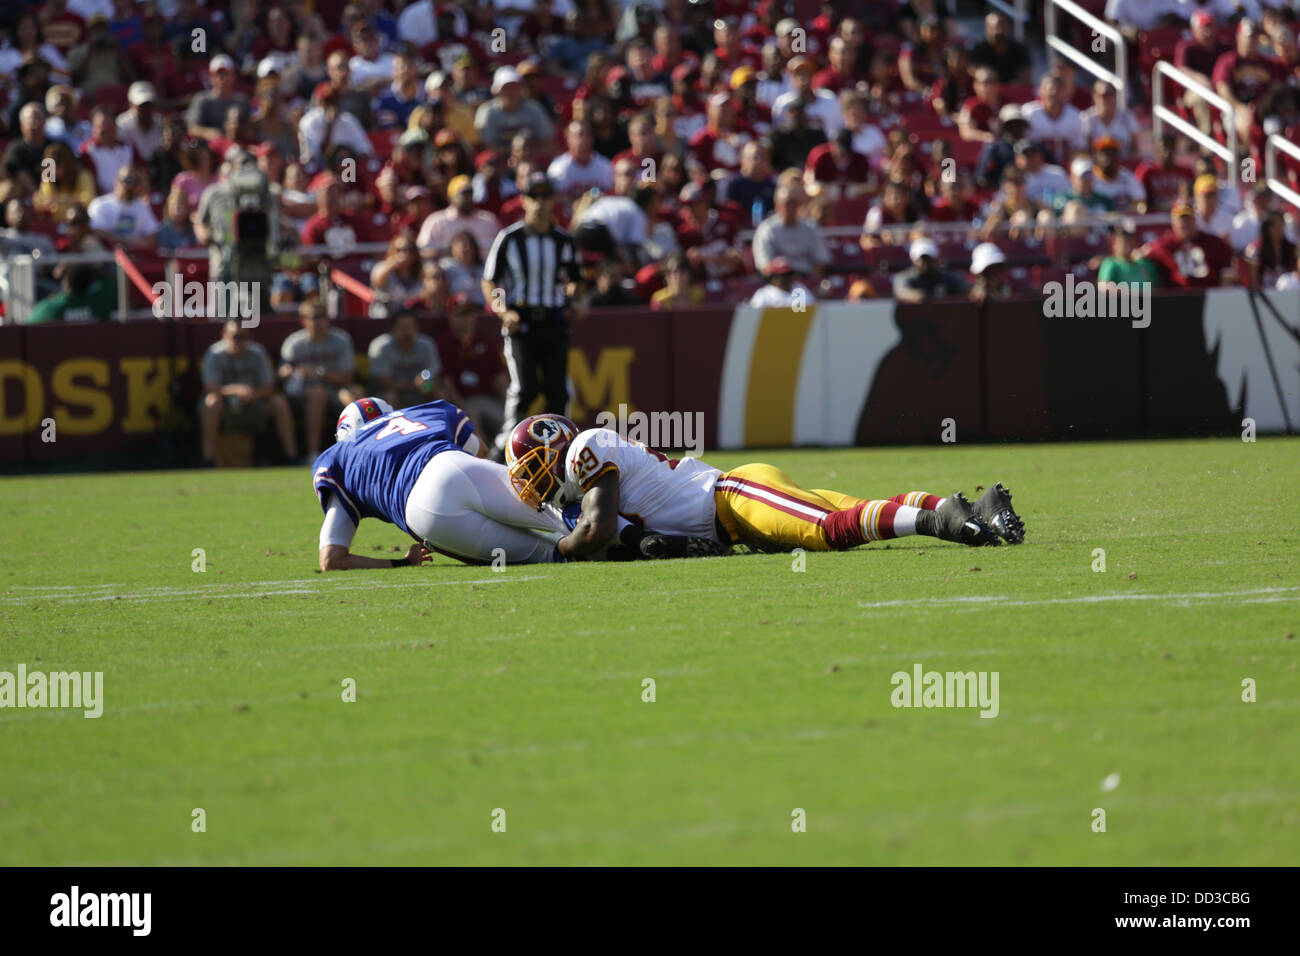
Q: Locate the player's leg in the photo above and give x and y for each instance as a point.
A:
(761, 506)
(446, 508)
(913, 499)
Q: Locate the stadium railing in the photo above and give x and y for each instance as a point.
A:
(1275, 177)
(1162, 114)
(1058, 47)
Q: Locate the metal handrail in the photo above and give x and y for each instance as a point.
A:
(1272, 179)
(1161, 114)
(1058, 47)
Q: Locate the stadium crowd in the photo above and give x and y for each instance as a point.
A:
(702, 151)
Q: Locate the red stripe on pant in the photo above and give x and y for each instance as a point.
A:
(744, 492)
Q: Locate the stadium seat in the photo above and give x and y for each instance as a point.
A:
(1018, 92)
(383, 141)
(113, 97)
(850, 212)
(887, 258)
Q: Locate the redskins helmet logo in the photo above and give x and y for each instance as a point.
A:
(545, 430)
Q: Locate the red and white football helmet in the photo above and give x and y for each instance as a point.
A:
(357, 415)
(535, 454)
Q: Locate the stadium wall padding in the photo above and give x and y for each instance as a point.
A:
(879, 372)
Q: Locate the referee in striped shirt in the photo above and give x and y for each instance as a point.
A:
(531, 276)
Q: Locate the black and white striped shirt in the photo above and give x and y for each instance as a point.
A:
(533, 268)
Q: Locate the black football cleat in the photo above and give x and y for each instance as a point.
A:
(994, 508)
(661, 546)
(957, 521)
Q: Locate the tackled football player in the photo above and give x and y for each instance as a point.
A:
(760, 506)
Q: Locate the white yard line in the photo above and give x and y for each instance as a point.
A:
(997, 602)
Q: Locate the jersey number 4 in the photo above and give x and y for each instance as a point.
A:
(400, 425)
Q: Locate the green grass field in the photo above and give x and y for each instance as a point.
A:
(522, 690)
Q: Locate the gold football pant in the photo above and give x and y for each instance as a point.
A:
(761, 506)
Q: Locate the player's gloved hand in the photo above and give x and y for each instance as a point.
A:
(418, 554)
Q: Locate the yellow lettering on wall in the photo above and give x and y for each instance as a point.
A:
(95, 399)
(16, 422)
(148, 384)
(605, 388)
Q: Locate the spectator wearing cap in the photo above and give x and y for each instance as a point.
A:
(784, 288)
(999, 50)
(207, 111)
(62, 122)
(1211, 217)
(405, 367)
(988, 265)
(690, 113)
(104, 153)
(752, 189)
(1082, 203)
(1105, 120)
(124, 215)
(141, 126)
(926, 278)
(1125, 265)
(70, 185)
(326, 125)
(239, 392)
(1054, 122)
(744, 87)
(580, 167)
(1242, 76)
(837, 167)
(473, 367)
(821, 107)
(460, 215)
(491, 188)
(1196, 56)
(1112, 180)
(786, 234)
(1164, 180)
(1187, 256)
(707, 236)
(977, 118)
(508, 112)
(1000, 153)
(97, 61)
(531, 275)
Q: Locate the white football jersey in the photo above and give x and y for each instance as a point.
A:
(668, 495)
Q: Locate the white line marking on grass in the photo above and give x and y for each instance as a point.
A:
(274, 589)
(982, 601)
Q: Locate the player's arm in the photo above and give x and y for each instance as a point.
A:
(599, 521)
(336, 534)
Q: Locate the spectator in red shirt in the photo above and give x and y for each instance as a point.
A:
(1242, 76)
(1187, 257)
(718, 145)
(841, 72)
(1164, 180)
(706, 234)
(731, 50)
(330, 225)
(645, 144)
(668, 54)
(921, 63)
(837, 168)
(472, 364)
(61, 28)
(977, 121)
(957, 201)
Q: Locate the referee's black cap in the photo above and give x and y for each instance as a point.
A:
(539, 186)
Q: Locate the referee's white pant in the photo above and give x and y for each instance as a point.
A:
(464, 507)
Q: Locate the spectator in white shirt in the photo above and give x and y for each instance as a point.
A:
(105, 152)
(1211, 217)
(783, 289)
(437, 231)
(581, 168)
(1245, 225)
(1043, 180)
(1054, 122)
(821, 107)
(619, 226)
(371, 70)
(141, 126)
(62, 122)
(1104, 118)
(124, 215)
(326, 118)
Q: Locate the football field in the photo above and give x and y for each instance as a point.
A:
(505, 717)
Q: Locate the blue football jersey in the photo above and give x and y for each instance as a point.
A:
(373, 475)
